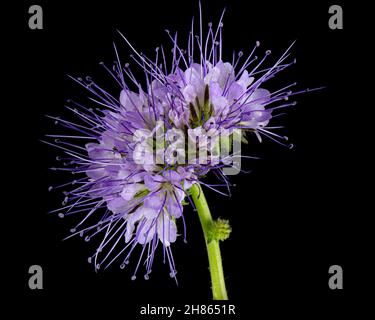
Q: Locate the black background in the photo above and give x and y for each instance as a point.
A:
(298, 212)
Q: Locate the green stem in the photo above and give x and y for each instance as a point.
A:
(219, 291)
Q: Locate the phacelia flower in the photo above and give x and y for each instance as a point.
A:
(132, 180)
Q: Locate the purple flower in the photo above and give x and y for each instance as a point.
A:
(127, 197)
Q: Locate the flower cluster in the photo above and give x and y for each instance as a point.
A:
(132, 203)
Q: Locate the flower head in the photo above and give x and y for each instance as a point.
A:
(146, 143)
